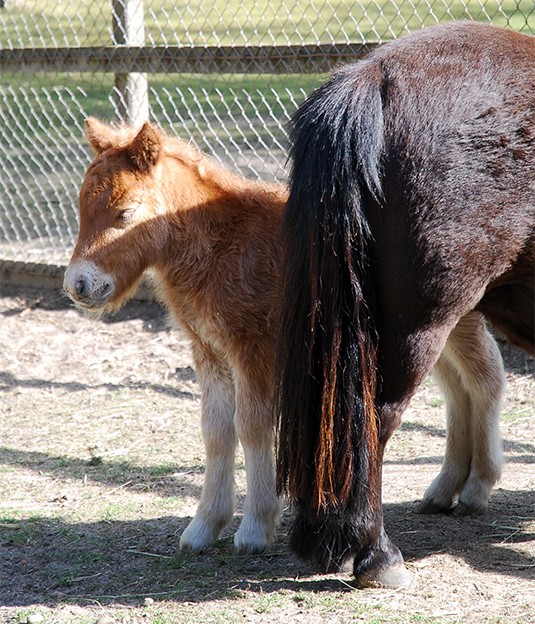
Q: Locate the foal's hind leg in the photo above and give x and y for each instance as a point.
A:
(216, 507)
(470, 372)
(254, 426)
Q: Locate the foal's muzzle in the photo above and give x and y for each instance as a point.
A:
(87, 285)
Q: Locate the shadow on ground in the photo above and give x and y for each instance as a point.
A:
(48, 561)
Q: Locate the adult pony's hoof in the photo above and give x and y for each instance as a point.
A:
(460, 510)
(381, 566)
(428, 506)
(464, 509)
(394, 577)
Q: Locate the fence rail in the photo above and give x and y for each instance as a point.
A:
(293, 59)
(225, 74)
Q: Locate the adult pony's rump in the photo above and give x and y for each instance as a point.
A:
(411, 213)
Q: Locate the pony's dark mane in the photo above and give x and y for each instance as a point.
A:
(337, 391)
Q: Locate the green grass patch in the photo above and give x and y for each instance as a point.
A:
(520, 411)
(39, 23)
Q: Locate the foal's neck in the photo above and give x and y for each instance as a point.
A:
(215, 215)
(210, 195)
(223, 253)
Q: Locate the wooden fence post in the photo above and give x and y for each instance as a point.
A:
(131, 89)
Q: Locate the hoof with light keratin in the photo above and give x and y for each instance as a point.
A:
(394, 577)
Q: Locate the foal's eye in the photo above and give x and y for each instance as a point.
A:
(124, 215)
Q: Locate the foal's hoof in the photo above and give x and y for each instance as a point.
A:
(394, 577)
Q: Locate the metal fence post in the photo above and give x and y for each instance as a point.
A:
(131, 89)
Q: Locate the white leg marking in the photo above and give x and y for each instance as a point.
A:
(484, 378)
(470, 371)
(254, 425)
(444, 489)
(216, 506)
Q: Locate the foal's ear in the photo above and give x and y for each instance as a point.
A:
(100, 135)
(145, 148)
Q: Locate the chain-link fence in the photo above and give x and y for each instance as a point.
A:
(226, 74)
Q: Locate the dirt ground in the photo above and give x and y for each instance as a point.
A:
(101, 465)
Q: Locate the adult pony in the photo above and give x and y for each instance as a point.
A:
(411, 216)
(213, 240)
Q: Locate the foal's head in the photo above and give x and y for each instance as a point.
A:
(121, 216)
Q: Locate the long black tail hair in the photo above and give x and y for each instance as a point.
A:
(327, 429)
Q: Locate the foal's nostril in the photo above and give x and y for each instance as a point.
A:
(81, 287)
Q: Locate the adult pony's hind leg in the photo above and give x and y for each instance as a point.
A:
(216, 507)
(407, 358)
(354, 528)
(470, 373)
(254, 426)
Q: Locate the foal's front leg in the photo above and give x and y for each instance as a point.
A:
(216, 507)
(254, 426)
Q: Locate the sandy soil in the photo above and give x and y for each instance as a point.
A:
(101, 465)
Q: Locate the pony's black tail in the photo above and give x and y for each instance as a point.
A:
(327, 428)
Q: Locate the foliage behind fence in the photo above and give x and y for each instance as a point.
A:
(225, 74)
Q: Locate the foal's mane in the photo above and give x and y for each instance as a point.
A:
(213, 173)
